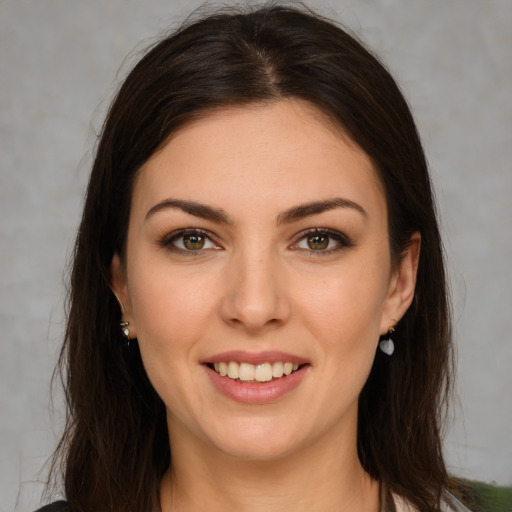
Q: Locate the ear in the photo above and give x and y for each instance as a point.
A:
(402, 285)
(120, 289)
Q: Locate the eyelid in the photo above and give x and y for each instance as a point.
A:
(343, 240)
(167, 241)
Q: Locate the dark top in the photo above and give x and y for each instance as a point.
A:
(57, 506)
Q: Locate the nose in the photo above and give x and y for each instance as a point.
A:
(255, 297)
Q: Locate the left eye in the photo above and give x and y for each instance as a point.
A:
(191, 241)
(320, 241)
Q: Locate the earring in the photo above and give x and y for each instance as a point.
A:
(125, 330)
(126, 342)
(387, 345)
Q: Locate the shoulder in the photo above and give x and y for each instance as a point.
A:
(452, 504)
(56, 506)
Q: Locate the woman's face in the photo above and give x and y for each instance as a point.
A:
(258, 245)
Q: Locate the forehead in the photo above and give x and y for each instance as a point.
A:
(271, 155)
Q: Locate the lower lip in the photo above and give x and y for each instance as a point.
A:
(257, 393)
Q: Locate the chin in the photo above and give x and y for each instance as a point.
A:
(255, 440)
(256, 450)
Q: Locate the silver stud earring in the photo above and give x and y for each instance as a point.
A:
(387, 345)
(124, 329)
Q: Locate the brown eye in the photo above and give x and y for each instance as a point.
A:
(189, 241)
(194, 241)
(318, 242)
(323, 241)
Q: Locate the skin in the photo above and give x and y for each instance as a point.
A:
(257, 285)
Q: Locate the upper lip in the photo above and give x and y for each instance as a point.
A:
(242, 356)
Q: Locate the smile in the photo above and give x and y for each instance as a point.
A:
(247, 372)
(256, 378)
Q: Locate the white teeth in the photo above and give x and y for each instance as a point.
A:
(233, 370)
(247, 372)
(277, 370)
(263, 372)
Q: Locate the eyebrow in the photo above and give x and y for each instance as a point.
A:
(287, 217)
(197, 209)
(316, 207)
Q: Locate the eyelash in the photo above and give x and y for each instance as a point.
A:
(343, 241)
(168, 242)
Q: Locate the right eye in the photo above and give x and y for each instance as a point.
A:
(190, 241)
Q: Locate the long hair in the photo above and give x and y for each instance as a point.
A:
(115, 446)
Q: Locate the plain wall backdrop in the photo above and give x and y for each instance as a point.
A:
(59, 66)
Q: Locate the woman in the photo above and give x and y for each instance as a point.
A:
(258, 315)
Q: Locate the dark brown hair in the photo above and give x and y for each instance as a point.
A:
(115, 447)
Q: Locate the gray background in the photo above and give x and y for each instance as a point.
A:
(59, 65)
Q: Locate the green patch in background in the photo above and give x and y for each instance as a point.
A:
(483, 497)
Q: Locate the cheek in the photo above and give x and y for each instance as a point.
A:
(345, 302)
(171, 316)
(343, 313)
(170, 310)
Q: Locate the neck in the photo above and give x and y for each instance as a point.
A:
(324, 476)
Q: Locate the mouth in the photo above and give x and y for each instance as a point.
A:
(255, 373)
(258, 378)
